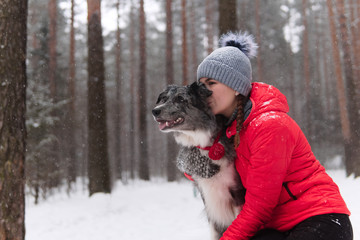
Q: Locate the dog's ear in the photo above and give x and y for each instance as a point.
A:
(203, 91)
(193, 87)
(200, 89)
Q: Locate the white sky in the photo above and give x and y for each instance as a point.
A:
(108, 13)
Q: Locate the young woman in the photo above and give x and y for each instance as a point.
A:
(288, 193)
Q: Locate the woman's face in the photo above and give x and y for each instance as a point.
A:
(223, 100)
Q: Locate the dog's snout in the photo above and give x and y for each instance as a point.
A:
(156, 112)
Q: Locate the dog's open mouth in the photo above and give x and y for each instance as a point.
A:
(165, 124)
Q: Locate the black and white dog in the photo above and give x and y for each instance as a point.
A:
(207, 155)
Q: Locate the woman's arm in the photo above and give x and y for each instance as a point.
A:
(271, 145)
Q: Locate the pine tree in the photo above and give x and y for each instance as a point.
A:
(185, 80)
(144, 166)
(258, 39)
(345, 123)
(12, 118)
(171, 145)
(353, 98)
(209, 12)
(131, 160)
(306, 70)
(98, 169)
(71, 119)
(227, 16)
(118, 101)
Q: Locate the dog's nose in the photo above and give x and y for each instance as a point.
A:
(156, 112)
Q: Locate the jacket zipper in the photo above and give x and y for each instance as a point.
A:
(285, 184)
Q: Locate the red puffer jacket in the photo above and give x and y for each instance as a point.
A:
(284, 182)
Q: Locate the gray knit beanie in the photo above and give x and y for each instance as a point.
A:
(230, 63)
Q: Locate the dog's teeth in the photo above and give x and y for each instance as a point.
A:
(167, 124)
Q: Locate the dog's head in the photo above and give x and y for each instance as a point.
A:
(183, 108)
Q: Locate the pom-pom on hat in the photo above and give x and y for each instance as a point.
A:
(230, 63)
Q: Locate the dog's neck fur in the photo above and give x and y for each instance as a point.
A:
(202, 138)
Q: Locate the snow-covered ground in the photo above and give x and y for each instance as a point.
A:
(140, 211)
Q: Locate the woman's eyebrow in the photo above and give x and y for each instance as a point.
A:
(208, 79)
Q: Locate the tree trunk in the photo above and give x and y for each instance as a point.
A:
(306, 68)
(291, 73)
(209, 12)
(258, 39)
(143, 166)
(98, 168)
(132, 150)
(242, 18)
(354, 39)
(171, 145)
(184, 44)
(327, 75)
(227, 16)
(194, 42)
(12, 118)
(358, 38)
(54, 155)
(169, 44)
(118, 102)
(71, 120)
(340, 88)
(52, 47)
(353, 99)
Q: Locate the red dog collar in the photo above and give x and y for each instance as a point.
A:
(216, 151)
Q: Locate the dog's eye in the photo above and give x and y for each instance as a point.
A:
(162, 98)
(179, 99)
(158, 100)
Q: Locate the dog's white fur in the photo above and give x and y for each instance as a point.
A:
(218, 200)
(193, 138)
(217, 195)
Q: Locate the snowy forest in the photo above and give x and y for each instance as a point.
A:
(79, 80)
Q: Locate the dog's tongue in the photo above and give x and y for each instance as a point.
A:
(165, 124)
(162, 125)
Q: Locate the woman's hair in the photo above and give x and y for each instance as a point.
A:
(241, 101)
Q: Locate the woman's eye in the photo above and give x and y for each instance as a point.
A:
(211, 83)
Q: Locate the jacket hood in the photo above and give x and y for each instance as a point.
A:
(266, 98)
